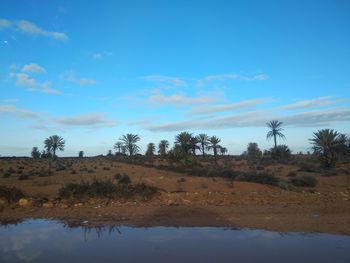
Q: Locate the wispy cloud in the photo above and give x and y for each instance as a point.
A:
(21, 113)
(70, 76)
(27, 27)
(175, 81)
(209, 109)
(312, 103)
(100, 55)
(24, 80)
(230, 76)
(88, 120)
(258, 118)
(33, 68)
(178, 99)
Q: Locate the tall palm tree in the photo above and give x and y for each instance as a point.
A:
(35, 153)
(151, 148)
(193, 143)
(214, 144)
(129, 141)
(327, 143)
(203, 140)
(54, 143)
(275, 130)
(184, 141)
(118, 146)
(162, 147)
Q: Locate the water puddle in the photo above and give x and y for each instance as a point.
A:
(51, 241)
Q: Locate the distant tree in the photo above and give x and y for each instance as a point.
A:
(151, 148)
(275, 130)
(326, 144)
(45, 154)
(54, 143)
(203, 140)
(193, 144)
(109, 154)
(129, 141)
(281, 152)
(183, 139)
(35, 153)
(162, 147)
(253, 151)
(118, 146)
(81, 154)
(214, 145)
(223, 150)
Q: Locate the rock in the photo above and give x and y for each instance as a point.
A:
(78, 204)
(3, 202)
(48, 205)
(23, 202)
(63, 206)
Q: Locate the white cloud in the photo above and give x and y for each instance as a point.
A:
(165, 79)
(33, 68)
(24, 80)
(70, 76)
(21, 113)
(258, 118)
(97, 56)
(312, 103)
(89, 120)
(230, 76)
(227, 107)
(177, 99)
(31, 28)
(4, 23)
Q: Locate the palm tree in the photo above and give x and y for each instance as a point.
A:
(193, 143)
(223, 150)
(118, 146)
(214, 144)
(54, 143)
(184, 141)
(162, 147)
(203, 140)
(129, 141)
(326, 143)
(151, 148)
(275, 130)
(35, 153)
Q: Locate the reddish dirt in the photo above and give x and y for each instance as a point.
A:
(186, 200)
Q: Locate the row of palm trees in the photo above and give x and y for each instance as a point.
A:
(187, 142)
(328, 144)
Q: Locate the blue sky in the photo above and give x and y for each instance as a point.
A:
(91, 71)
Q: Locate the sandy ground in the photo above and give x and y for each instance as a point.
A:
(185, 200)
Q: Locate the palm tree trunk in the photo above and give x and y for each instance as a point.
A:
(274, 137)
(203, 150)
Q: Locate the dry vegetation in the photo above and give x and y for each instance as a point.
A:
(145, 191)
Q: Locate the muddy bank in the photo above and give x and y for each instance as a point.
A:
(333, 218)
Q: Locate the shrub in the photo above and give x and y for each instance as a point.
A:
(23, 177)
(253, 152)
(304, 181)
(122, 178)
(309, 168)
(11, 194)
(261, 178)
(281, 152)
(105, 189)
(292, 174)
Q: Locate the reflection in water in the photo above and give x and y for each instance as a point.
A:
(50, 241)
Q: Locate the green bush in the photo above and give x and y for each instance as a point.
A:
(304, 181)
(261, 178)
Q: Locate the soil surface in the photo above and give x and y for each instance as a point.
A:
(183, 200)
